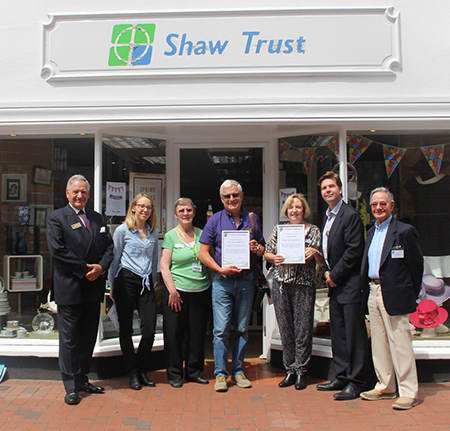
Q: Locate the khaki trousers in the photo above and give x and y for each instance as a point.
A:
(392, 351)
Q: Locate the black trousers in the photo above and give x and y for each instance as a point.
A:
(349, 342)
(186, 327)
(78, 327)
(127, 296)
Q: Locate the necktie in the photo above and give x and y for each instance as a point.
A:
(85, 220)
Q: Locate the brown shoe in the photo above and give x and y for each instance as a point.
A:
(375, 395)
(405, 403)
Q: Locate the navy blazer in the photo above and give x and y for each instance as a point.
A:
(72, 247)
(345, 248)
(400, 279)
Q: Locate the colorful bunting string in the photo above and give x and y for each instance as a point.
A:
(392, 157)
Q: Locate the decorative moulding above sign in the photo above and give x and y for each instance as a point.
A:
(250, 43)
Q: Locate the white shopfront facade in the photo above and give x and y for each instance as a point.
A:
(221, 80)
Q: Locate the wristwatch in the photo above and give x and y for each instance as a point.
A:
(258, 249)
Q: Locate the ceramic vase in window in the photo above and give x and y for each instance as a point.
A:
(24, 212)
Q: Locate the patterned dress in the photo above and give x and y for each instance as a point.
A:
(294, 294)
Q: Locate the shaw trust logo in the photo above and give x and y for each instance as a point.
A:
(131, 44)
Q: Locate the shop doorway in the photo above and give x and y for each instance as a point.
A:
(202, 171)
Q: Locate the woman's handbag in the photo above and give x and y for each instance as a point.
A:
(261, 288)
(259, 278)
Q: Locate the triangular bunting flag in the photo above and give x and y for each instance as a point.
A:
(357, 146)
(308, 157)
(392, 157)
(333, 144)
(434, 157)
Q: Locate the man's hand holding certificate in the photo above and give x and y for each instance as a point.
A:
(236, 248)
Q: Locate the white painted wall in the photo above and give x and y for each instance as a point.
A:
(424, 78)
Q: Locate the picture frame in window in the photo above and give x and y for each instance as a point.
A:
(39, 213)
(14, 187)
(42, 175)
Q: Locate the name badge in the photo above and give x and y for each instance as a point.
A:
(103, 229)
(397, 253)
(76, 225)
(178, 246)
(197, 267)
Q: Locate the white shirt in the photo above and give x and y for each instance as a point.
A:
(331, 217)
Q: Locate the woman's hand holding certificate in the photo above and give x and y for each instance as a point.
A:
(291, 243)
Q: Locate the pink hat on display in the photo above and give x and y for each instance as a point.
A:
(434, 288)
(428, 315)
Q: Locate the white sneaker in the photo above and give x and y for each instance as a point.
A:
(242, 381)
(221, 384)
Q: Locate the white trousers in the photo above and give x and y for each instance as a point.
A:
(392, 351)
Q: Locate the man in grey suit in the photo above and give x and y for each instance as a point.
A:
(343, 245)
(82, 250)
(391, 271)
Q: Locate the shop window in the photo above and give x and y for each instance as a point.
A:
(416, 169)
(34, 176)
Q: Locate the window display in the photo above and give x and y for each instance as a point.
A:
(414, 167)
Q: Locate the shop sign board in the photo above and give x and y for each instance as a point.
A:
(268, 42)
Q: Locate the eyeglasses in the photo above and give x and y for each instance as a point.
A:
(381, 204)
(234, 195)
(144, 207)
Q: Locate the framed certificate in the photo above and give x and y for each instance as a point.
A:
(291, 242)
(236, 248)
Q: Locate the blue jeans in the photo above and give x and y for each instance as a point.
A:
(232, 300)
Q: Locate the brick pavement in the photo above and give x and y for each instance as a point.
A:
(38, 405)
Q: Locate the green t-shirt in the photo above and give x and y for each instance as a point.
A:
(183, 259)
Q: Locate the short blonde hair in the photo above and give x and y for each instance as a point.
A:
(130, 218)
(288, 203)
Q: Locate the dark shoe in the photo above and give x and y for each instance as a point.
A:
(200, 379)
(348, 393)
(145, 380)
(177, 384)
(72, 397)
(135, 381)
(300, 382)
(289, 380)
(334, 385)
(90, 388)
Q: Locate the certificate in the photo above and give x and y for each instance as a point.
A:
(291, 242)
(236, 248)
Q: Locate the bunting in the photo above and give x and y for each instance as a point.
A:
(434, 157)
(357, 146)
(308, 157)
(333, 145)
(392, 157)
(288, 153)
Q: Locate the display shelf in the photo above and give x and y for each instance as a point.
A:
(14, 228)
(14, 265)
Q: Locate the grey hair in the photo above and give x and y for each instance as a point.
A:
(228, 184)
(382, 190)
(75, 178)
(184, 201)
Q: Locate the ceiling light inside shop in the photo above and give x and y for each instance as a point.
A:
(128, 142)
